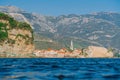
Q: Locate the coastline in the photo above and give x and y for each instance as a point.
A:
(90, 52)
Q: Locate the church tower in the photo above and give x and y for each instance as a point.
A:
(71, 45)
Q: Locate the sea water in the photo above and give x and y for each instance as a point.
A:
(59, 69)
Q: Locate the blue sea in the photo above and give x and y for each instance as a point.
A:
(59, 69)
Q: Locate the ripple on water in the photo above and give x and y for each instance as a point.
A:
(111, 76)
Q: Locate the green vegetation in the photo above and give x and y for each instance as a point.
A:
(20, 35)
(13, 24)
(116, 54)
(4, 16)
(25, 26)
(3, 36)
(26, 38)
(3, 32)
(84, 52)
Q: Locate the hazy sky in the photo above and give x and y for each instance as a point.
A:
(58, 7)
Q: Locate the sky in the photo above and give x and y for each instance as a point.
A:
(60, 7)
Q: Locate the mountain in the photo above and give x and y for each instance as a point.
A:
(10, 9)
(99, 28)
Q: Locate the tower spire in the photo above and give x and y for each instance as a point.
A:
(71, 45)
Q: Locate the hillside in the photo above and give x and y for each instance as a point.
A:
(16, 38)
(98, 29)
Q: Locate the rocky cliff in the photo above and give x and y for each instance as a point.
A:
(95, 51)
(15, 37)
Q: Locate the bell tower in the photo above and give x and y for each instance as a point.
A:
(71, 45)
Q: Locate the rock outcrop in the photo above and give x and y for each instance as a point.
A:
(15, 37)
(95, 51)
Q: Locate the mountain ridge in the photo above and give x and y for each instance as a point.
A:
(100, 28)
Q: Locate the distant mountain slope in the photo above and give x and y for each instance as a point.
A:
(102, 28)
